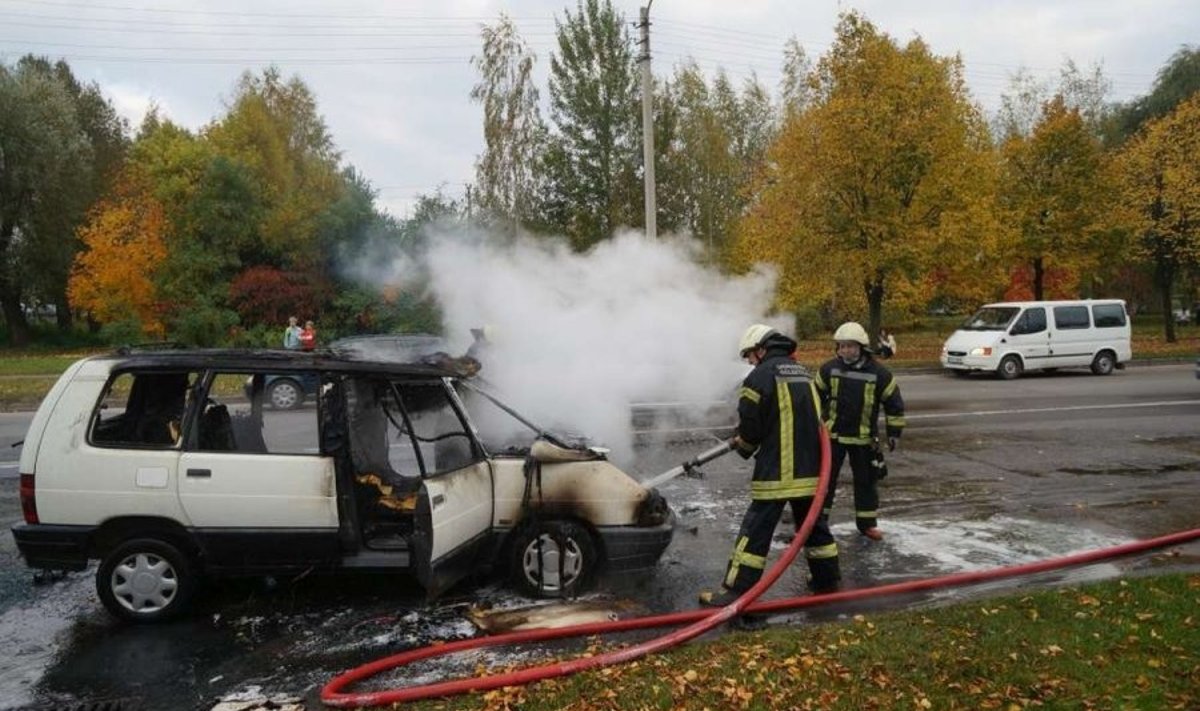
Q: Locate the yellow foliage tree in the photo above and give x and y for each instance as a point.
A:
(1053, 188)
(1159, 186)
(882, 187)
(112, 277)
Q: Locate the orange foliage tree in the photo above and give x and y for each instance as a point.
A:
(112, 276)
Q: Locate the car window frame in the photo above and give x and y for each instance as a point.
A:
(185, 422)
(191, 437)
(1087, 322)
(480, 453)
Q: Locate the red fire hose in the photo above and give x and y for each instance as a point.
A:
(700, 620)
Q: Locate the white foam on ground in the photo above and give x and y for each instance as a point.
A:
(973, 545)
(32, 634)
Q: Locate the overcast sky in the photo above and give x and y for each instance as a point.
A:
(392, 79)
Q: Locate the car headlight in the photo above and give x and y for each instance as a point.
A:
(985, 351)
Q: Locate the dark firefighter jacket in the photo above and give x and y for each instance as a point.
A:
(851, 396)
(779, 423)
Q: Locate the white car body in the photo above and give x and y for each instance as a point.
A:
(1013, 337)
(272, 491)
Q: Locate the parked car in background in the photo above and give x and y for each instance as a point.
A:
(159, 465)
(1011, 338)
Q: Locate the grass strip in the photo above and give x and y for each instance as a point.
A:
(1119, 644)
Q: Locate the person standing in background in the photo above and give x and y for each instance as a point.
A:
(291, 335)
(308, 337)
(887, 343)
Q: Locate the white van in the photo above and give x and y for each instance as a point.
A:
(169, 466)
(1011, 337)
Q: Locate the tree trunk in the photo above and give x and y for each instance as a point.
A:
(62, 312)
(10, 295)
(1164, 275)
(1039, 275)
(874, 306)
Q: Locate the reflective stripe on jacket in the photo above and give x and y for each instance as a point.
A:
(778, 423)
(851, 398)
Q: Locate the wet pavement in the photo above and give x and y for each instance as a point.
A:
(990, 473)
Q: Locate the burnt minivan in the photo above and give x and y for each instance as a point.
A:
(170, 466)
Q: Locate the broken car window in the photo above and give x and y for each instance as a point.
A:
(142, 409)
(238, 416)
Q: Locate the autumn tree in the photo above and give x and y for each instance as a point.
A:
(513, 131)
(592, 155)
(1159, 183)
(123, 246)
(719, 141)
(1176, 82)
(1052, 188)
(882, 181)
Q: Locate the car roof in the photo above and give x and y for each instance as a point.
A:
(270, 360)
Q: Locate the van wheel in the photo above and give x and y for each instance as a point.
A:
(1103, 363)
(1010, 368)
(285, 394)
(552, 559)
(146, 580)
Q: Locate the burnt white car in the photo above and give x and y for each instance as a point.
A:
(168, 466)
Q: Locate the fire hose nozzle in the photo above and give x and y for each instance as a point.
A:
(692, 470)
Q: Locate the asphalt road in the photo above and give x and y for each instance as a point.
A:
(989, 473)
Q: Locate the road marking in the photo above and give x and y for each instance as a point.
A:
(1034, 410)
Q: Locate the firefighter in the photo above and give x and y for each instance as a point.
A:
(779, 423)
(853, 385)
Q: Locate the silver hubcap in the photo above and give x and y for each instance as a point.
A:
(284, 395)
(144, 582)
(553, 559)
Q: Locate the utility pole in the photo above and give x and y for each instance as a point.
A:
(648, 124)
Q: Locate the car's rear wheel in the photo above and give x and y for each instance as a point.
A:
(1103, 363)
(552, 559)
(1010, 368)
(285, 394)
(146, 580)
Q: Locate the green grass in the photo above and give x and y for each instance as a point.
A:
(1121, 644)
(17, 362)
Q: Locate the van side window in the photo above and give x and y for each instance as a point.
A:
(441, 438)
(1032, 321)
(1108, 315)
(1068, 317)
(238, 417)
(142, 409)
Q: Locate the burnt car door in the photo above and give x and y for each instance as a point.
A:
(256, 489)
(453, 513)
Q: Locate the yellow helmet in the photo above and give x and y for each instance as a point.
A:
(754, 337)
(852, 331)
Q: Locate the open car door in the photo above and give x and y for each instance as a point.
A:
(454, 508)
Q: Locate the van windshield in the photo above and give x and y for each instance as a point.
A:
(990, 318)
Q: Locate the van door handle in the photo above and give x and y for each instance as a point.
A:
(438, 500)
(205, 473)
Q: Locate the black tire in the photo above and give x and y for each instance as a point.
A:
(1010, 368)
(146, 580)
(285, 394)
(1104, 363)
(577, 568)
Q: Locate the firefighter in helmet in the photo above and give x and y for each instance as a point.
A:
(779, 423)
(853, 386)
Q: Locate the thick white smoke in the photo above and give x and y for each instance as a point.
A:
(577, 337)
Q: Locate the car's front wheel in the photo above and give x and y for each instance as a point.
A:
(1010, 368)
(146, 580)
(552, 559)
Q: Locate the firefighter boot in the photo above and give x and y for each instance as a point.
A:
(718, 599)
(825, 575)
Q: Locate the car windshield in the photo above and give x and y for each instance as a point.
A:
(990, 318)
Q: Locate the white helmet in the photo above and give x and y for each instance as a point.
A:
(754, 337)
(852, 331)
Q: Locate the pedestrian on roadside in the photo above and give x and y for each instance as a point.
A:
(887, 343)
(779, 424)
(308, 337)
(853, 386)
(291, 334)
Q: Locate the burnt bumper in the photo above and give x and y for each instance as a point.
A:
(636, 548)
(53, 547)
